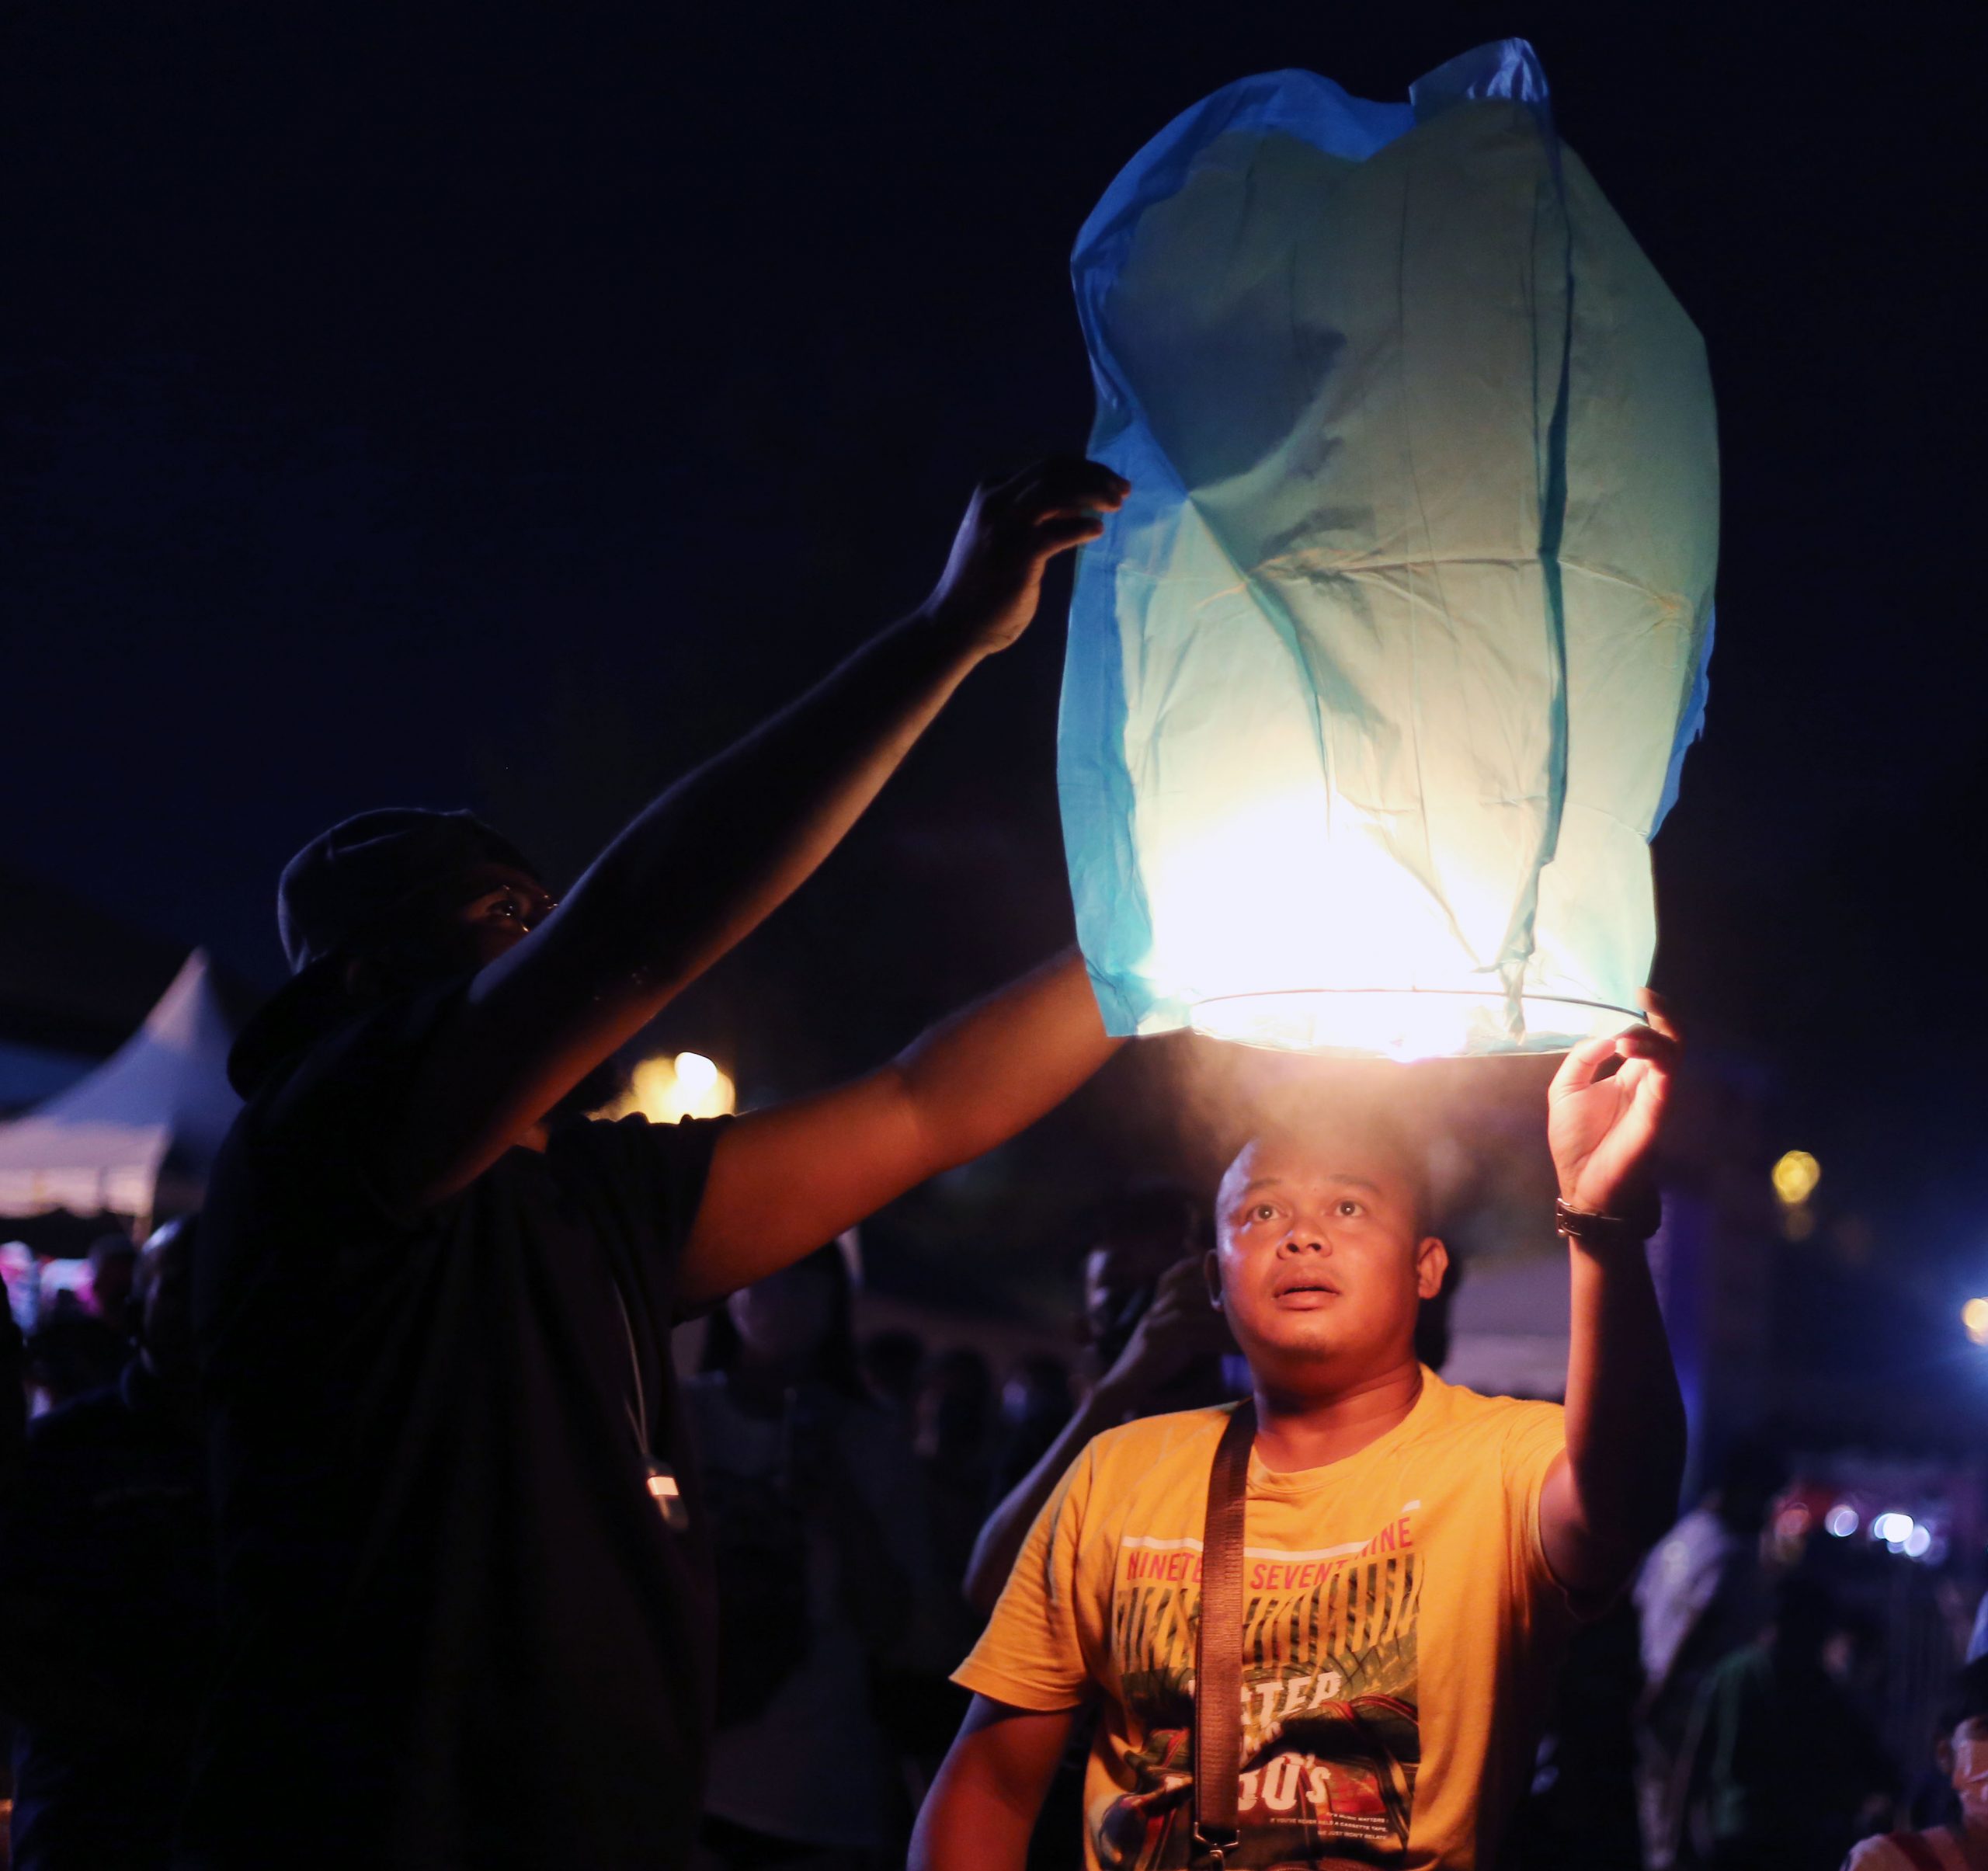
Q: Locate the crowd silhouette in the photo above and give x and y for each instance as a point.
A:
(868, 1498)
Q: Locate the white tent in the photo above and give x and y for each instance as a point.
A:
(148, 1121)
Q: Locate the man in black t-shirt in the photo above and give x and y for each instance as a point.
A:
(466, 1618)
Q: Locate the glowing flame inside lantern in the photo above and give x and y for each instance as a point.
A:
(666, 1090)
(1272, 894)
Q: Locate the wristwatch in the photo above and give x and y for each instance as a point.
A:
(1589, 1229)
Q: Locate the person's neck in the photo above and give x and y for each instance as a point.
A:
(1310, 1428)
(1974, 1841)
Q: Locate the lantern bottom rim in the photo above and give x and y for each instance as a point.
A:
(1405, 1023)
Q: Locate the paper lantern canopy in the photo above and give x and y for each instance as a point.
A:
(1379, 685)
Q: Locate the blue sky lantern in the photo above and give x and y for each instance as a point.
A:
(1380, 684)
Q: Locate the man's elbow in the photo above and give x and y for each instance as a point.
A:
(1650, 1510)
(1638, 1516)
(1615, 1520)
(970, 1821)
(1647, 1526)
(985, 1800)
(1670, 1440)
(916, 1122)
(1637, 1488)
(961, 1806)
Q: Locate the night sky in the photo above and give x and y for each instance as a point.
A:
(505, 405)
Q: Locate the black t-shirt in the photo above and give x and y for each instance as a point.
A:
(458, 1627)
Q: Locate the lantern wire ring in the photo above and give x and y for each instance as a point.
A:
(1437, 1034)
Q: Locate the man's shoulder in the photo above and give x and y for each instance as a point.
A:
(1472, 1416)
(1454, 1414)
(653, 1163)
(1150, 1443)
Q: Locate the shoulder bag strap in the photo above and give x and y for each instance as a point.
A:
(1218, 1645)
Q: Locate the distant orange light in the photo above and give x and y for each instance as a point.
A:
(666, 1090)
(1795, 1177)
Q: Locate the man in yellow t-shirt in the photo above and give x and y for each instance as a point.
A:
(1415, 1554)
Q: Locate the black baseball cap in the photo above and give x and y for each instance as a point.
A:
(346, 884)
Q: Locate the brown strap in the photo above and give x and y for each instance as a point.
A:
(1218, 1644)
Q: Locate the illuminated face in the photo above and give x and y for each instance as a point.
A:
(498, 907)
(462, 922)
(1321, 1258)
(1967, 1767)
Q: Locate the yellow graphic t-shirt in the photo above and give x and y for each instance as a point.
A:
(1401, 1631)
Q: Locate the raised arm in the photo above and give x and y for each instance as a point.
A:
(1613, 1492)
(983, 1803)
(785, 1180)
(715, 854)
(1172, 1333)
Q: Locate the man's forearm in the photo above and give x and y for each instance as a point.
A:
(714, 855)
(690, 876)
(786, 1179)
(992, 1069)
(970, 1830)
(983, 1804)
(1624, 1417)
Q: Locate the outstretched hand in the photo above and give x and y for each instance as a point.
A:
(1012, 529)
(1603, 1131)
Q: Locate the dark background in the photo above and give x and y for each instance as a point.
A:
(504, 405)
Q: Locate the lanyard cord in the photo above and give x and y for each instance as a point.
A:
(637, 1406)
(663, 1487)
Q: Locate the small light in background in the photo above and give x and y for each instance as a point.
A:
(1894, 1528)
(1842, 1521)
(1916, 1542)
(1974, 1316)
(666, 1090)
(1795, 1178)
